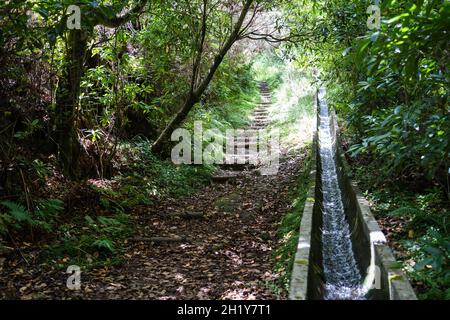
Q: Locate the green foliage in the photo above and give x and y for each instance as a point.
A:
(31, 127)
(419, 210)
(15, 35)
(42, 217)
(16, 215)
(42, 169)
(431, 254)
(104, 244)
(46, 213)
(93, 241)
(425, 231)
(230, 98)
(399, 108)
(293, 110)
(149, 177)
(268, 67)
(288, 231)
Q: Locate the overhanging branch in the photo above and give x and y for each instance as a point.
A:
(270, 37)
(118, 20)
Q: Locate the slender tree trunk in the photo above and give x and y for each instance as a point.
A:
(163, 139)
(195, 93)
(67, 98)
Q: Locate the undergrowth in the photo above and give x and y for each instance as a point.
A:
(98, 238)
(423, 236)
(288, 232)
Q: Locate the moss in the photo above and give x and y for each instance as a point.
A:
(396, 277)
(301, 262)
(229, 202)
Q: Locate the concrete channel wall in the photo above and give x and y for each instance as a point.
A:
(382, 275)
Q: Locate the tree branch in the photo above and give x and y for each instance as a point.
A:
(118, 20)
(198, 59)
(252, 18)
(223, 51)
(274, 39)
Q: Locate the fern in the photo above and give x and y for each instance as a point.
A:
(42, 217)
(5, 220)
(407, 211)
(17, 211)
(104, 244)
(109, 221)
(49, 208)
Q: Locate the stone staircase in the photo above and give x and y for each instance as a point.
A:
(245, 156)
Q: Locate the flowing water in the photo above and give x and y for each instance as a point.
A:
(342, 276)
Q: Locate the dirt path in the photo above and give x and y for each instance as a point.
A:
(224, 254)
(227, 253)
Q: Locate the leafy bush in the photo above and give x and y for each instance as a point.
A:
(43, 217)
(423, 232)
(431, 254)
(229, 100)
(151, 177)
(400, 110)
(268, 67)
(91, 242)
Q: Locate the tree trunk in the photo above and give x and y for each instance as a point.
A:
(67, 98)
(161, 143)
(195, 94)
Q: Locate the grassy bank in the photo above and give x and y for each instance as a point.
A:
(288, 232)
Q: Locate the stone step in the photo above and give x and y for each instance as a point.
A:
(244, 141)
(257, 126)
(260, 121)
(261, 127)
(246, 145)
(264, 120)
(226, 176)
(241, 159)
(242, 138)
(249, 154)
(261, 118)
